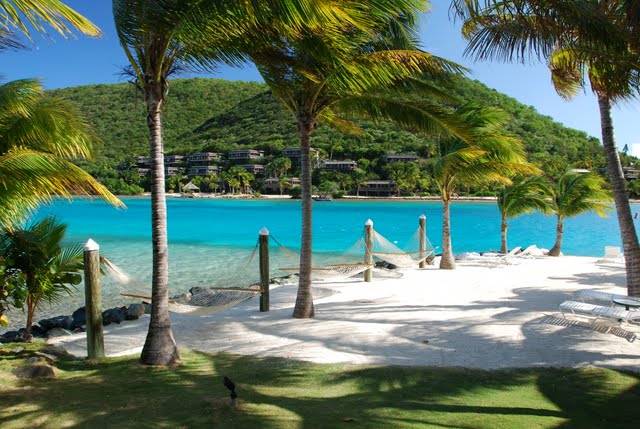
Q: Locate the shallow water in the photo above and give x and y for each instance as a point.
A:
(211, 240)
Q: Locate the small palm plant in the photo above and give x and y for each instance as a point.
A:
(48, 269)
(574, 194)
(525, 195)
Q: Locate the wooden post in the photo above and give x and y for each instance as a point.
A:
(368, 249)
(264, 269)
(93, 305)
(422, 237)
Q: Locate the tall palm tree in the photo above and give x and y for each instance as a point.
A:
(37, 135)
(158, 37)
(489, 156)
(525, 195)
(328, 74)
(574, 194)
(49, 270)
(597, 39)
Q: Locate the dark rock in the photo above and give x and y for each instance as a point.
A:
(35, 371)
(12, 337)
(147, 307)
(134, 311)
(32, 359)
(57, 332)
(114, 315)
(57, 352)
(38, 332)
(63, 322)
(79, 318)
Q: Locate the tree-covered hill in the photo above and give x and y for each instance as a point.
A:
(218, 115)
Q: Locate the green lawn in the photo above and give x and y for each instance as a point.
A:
(281, 393)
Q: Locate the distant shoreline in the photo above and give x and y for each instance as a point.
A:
(288, 197)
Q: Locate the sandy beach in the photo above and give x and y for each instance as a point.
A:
(474, 316)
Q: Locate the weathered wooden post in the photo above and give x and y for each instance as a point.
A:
(422, 236)
(93, 305)
(368, 249)
(264, 269)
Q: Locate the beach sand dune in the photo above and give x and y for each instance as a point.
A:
(475, 316)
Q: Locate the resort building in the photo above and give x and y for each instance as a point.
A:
(401, 158)
(235, 155)
(143, 171)
(171, 171)
(295, 154)
(202, 170)
(338, 165)
(255, 169)
(142, 160)
(273, 185)
(173, 160)
(204, 158)
(378, 188)
(630, 173)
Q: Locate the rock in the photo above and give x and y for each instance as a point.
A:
(114, 315)
(147, 308)
(12, 337)
(35, 371)
(182, 298)
(38, 332)
(32, 359)
(17, 350)
(79, 318)
(134, 311)
(56, 352)
(57, 332)
(63, 322)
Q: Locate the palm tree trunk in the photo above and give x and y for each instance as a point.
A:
(160, 346)
(555, 250)
(623, 210)
(503, 235)
(304, 300)
(447, 262)
(31, 309)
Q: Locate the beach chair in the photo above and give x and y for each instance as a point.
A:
(611, 254)
(490, 259)
(599, 312)
(588, 295)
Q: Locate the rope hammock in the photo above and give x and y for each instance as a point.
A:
(389, 252)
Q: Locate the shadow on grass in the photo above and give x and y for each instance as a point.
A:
(281, 393)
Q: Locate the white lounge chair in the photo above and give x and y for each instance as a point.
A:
(490, 259)
(599, 311)
(612, 254)
(587, 295)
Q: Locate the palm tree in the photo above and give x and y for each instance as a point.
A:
(48, 269)
(489, 156)
(328, 74)
(37, 134)
(279, 168)
(596, 39)
(525, 195)
(21, 16)
(574, 194)
(158, 37)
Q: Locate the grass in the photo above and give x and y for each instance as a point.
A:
(281, 393)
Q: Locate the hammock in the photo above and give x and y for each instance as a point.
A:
(334, 271)
(389, 252)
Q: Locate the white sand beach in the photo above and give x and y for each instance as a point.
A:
(473, 316)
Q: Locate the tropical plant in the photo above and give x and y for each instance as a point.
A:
(279, 168)
(340, 70)
(21, 16)
(49, 270)
(489, 156)
(12, 290)
(525, 195)
(574, 194)
(596, 39)
(37, 134)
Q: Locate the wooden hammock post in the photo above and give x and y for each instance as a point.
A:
(93, 305)
(368, 249)
(264, 269)
(423, 240)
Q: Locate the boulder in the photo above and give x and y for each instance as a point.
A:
(63, 322)
(114, 315)
(134, 311)
(79, 318)
(12, 337)
(35, 371)
(57, 332)
(147, 308)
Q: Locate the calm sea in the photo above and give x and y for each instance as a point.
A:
(211, 240)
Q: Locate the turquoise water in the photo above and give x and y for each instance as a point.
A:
(211, 240)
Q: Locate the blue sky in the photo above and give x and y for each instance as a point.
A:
(63, 63)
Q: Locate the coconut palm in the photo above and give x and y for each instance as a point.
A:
(574, 194)
(25, 16)
(279, 168)
(489, 156)
(37, 135)
(524, 195)
(159, 37)
(48, 269)
(342, 71)
(595, 39)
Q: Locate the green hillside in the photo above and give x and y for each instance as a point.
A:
(217, 115)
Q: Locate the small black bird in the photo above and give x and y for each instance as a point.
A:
(232, 387)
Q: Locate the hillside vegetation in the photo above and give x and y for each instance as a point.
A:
(218, 115)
